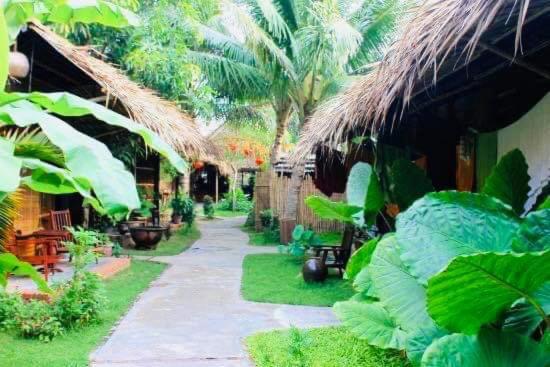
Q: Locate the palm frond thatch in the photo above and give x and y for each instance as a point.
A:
(435, 29)
(142, 104)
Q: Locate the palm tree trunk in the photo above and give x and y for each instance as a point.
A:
(283, 118)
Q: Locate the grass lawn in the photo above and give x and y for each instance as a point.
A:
(259, 239)
(229, 213)
(277, 278)
(73, 348)
(180, 241)
(323, 347)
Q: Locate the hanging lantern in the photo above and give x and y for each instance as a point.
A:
(232, 147)
(259, 161)
(198, 165)
(247, 152)
(19, 65)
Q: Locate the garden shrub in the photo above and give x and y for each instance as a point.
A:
(80, 302)
(266, 218)
(75, 303)
(242, 202)
(184, 207)
(302, 240)
(251, 218)
(36, 319)
(208, 207)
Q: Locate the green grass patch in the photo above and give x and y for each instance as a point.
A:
(73, 348)
(180, 241)
(229, 213)
(277, 278)
(331, 238)
(323, 347)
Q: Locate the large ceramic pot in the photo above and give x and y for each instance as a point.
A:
(314, 271)
(147, 238)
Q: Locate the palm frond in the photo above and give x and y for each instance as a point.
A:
(269, 12)
(32, 143)
(377, 21)
(259, 39)
(8, 213)
(234, 79)
(228, 46)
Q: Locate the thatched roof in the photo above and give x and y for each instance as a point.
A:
(141, 104)
(440, 39)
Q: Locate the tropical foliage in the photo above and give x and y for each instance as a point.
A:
(63, 160)
(460, 282)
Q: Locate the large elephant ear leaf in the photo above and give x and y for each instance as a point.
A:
(397, 289)
(419, 340)
(443, 225)
(363, 190)
(4, 51)
(509, 181)
(360, 258)
(523, 318)
(489, 348)
(66, 104)
(370, 321)
(9, 264)
(88, 159)
(11, 167)
(332, 210)
(483, 286)
(534, 232)
(408, 183)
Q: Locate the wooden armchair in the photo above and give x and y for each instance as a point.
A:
(37, 251)
(59, 221)
(340, 254)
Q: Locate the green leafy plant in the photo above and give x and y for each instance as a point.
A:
(302, 239)
(35, 319)
(463, 281)
(80, 302)
(266, 218)
(208, 207)
(242, 202)
(81, 247)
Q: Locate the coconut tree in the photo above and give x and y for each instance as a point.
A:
(292, 53)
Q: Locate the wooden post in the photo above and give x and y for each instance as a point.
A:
(217, 184)
(262, 193)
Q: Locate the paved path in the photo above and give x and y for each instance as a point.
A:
(194, 315)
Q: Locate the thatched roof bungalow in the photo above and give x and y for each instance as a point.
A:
(461, 69)
(57, 65)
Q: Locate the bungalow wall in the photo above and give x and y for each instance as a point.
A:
(530, 134)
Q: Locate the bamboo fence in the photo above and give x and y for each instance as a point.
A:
(278, 192)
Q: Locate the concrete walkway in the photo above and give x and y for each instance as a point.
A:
(194, 315)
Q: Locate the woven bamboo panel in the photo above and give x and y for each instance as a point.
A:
(33, 205)
(279, 192)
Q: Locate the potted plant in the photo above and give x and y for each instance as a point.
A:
(177, 204)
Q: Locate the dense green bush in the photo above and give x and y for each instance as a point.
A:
(266, 218)
(242, 202)
(75, 303)
(463, 281)
(80, 302)
(251, 218)
(36, 319)
(184, 207)
(208, 207)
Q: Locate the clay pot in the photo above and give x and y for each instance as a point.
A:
(314, 271)
(147, 238)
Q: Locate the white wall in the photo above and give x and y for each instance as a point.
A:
(531, 134)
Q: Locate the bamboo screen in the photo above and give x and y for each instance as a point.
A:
(33, 205)
(306, 217)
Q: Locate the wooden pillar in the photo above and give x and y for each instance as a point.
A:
(217, 184)
(262, 197)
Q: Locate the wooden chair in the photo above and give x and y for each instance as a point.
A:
(59, 221)
(37, 251)
(340, 254)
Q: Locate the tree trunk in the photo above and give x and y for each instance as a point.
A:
(283, 117)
